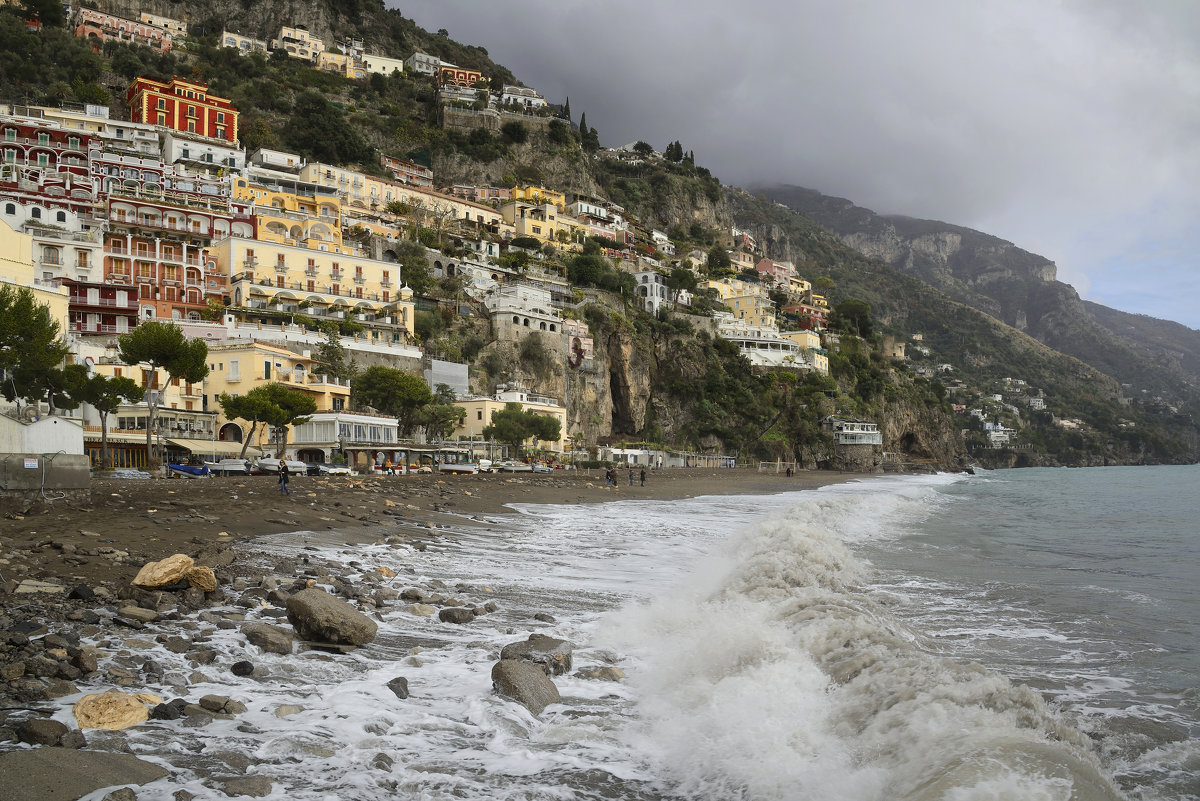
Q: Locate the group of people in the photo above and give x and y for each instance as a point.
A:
(610, 477)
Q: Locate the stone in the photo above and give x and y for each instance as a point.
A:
(550, 653)
(41, 731)
(422, 610)
(456, 614)
(272, 639)
(201, 577)
(543, 617)
(242, 668)
(12, 671)
(56, 774)
(110, 710)
(601, 673)
(525, 683)
(30, 586)
(123, 794)
(138, 613)
(253, 786)
(164, 573)
(399, 686)
(317, 615)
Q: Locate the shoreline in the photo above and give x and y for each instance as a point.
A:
(133, 521)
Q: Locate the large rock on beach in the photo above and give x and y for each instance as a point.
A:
(317, 615)
(55, 774)
(525, 683)
(275, 639)
(201, 577)
(552, 655)
(112, 710)
(165, 573)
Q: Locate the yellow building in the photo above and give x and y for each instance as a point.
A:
(480, 410)
(544, 223)
(238, 367)
(367, 192)
(537, 195)
(290, 218)
(732, 287)
(810, 346)
(342, 64)
(326, 286)
(741, 260)
(17, 270)
(756, 310)
(798, 286)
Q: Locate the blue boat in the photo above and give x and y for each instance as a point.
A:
(189, 470)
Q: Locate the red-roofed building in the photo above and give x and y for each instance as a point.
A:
(183, 106)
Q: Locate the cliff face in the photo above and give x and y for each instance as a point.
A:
(1016, 287)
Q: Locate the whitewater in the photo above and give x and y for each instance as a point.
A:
(899, 638)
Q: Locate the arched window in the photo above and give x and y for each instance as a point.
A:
(516, 320)
(10, 208)
(61, 216)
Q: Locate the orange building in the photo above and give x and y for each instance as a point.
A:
(184, 106)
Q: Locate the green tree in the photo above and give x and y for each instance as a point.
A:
(441, 416)
(515, 132)
(852, 316)
(391, 391)
(643, 149)
(105, 395)
(414, 266)
(681, 279)
(30, 350)
(331, 356)
(319, 130)
(718, 262)
(253, 407)
(286, 407)
(162, 346)
(514, 425)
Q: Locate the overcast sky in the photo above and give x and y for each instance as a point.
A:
(1071, 128)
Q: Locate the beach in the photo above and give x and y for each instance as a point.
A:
(129, 522)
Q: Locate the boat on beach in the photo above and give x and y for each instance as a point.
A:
(465, 468)
(229, 467)
(189, 470)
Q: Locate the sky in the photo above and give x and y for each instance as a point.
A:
(1068, 127)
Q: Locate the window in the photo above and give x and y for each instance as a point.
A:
(10, 208)
(479, 414)
(267, 370)
(73, 142)
(191, 126)
(35, 213)
(191, 111)
(43, 138)
(10, 134)
(339, 404)
(220, 118)
(161, 104)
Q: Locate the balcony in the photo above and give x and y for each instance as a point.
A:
(281, 268)
(310, 271)
(250, 262)
(96, 328)
(386, 282)
(359, 279)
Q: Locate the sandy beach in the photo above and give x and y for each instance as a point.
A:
(130, 522)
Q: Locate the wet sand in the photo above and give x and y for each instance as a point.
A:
(130, 522)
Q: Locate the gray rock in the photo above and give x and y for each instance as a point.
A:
(549, 653)
(525, 683)
(456, 614)
(399, 686)
(123, 794)
(317, 615)
(55, 774)
(41, 731)
(242, 668)
(272, 639)
(253, 786)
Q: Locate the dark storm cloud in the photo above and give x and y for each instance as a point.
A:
(1071, 128)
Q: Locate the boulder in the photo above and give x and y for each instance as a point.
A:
(456, 614)
(317, 615)
(525, 683)
(275, 639)
(202, 578)
(41, 731)
(54, 774)
(110, 710)
(399, 686)
(549, 653)
(171, 570)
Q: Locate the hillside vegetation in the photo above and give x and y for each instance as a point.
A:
(666, 379)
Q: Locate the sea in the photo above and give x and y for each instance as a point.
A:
(1031, 635)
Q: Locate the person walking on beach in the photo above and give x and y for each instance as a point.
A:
(283, 479)
(643, 476)
(631, 476)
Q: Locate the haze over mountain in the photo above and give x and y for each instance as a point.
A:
(1067, 128)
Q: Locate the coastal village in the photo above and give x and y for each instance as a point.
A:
(275, 261)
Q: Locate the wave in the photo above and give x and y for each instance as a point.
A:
(774, 672)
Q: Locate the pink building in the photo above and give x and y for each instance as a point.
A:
(92, 24)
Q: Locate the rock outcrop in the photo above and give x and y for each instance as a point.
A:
(317, 615)
(525, 683)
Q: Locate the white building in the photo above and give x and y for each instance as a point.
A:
(345, 432)
(653, 292)
(382, 65)
(762, 346)
(245, 44)
(423, 63)
(518, 309)
(521, 96)
(853, 431)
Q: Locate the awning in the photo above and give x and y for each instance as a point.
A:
(208, 447)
